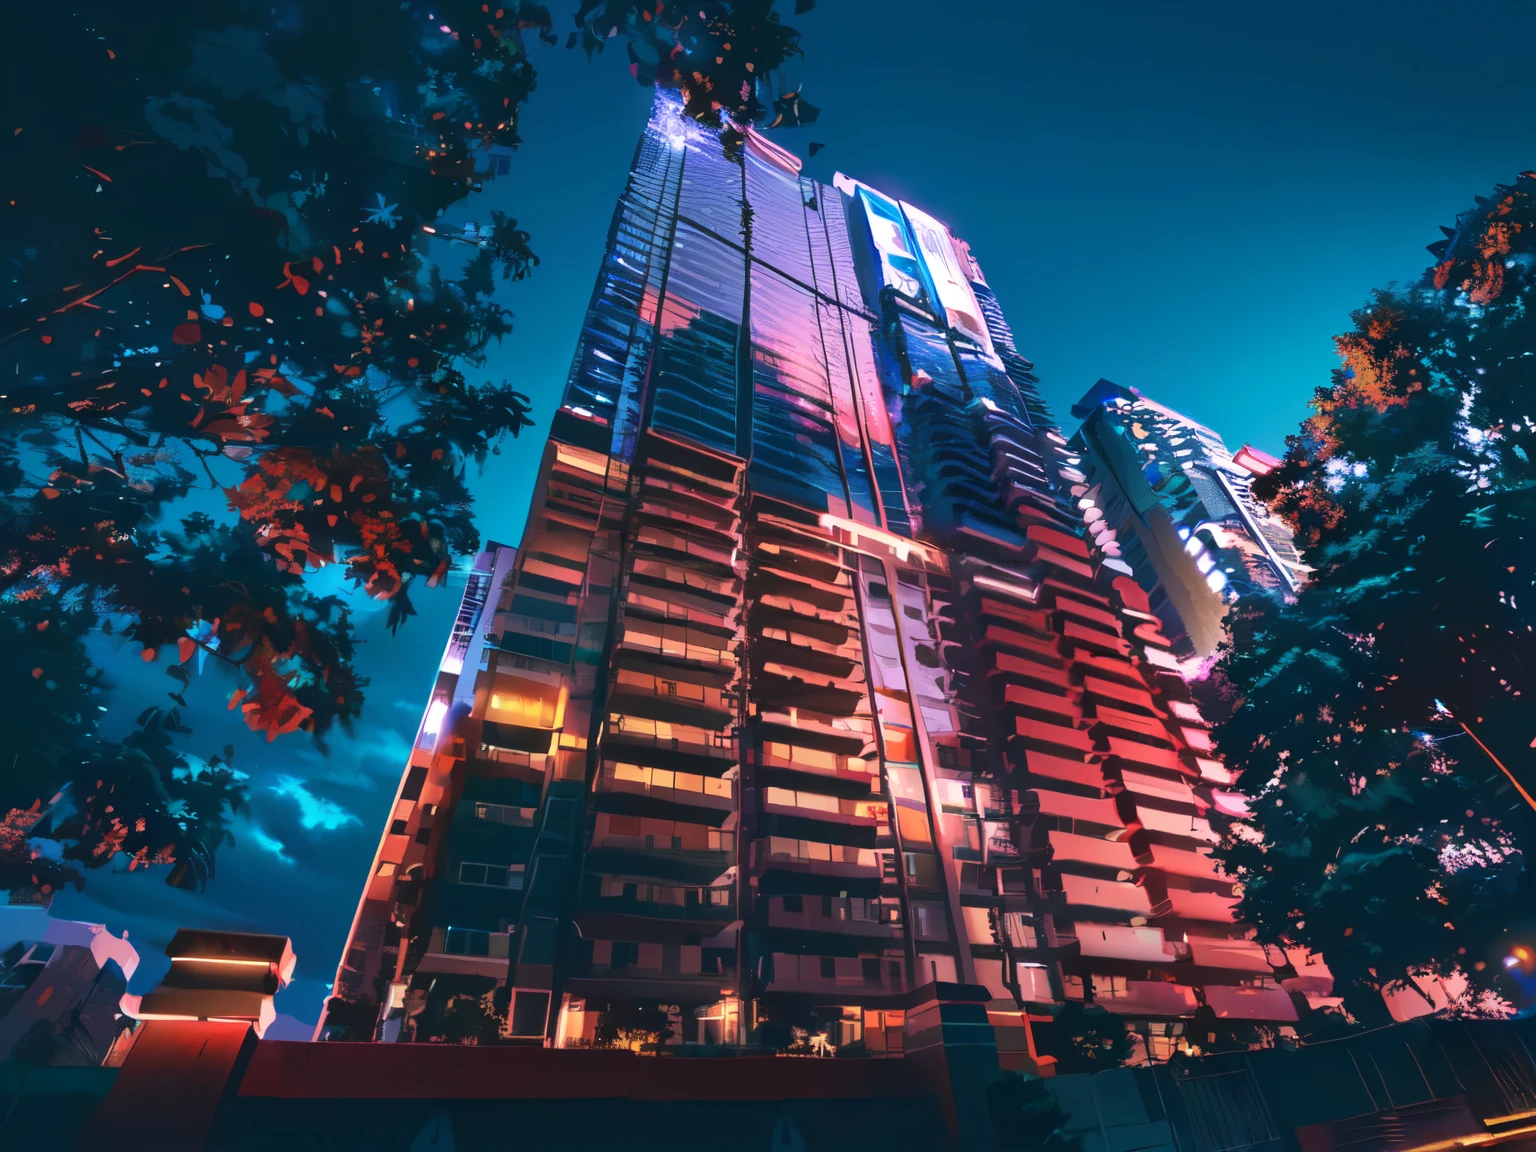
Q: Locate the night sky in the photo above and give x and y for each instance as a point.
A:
(1189, 198)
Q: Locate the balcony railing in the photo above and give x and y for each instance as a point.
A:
(616, 895)
(816, 856)
(642, 733)
(842, 975)
(691, 839)
(666, 784)
(815, 806)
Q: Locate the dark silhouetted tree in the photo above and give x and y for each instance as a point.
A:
(1085, 1038)
(227, 277)
(1383, 722)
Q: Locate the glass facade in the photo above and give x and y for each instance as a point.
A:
(806, 686)
(1167, 497)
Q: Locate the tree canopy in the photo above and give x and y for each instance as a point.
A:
(1380, 723)
(239, 349)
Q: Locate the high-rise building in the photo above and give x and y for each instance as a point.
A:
(1168, 498)
(804, 689)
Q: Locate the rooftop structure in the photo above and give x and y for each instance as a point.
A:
(806, 687)
(1166, 496)
(229, 976)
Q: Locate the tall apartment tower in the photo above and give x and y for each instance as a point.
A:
(1179, 509)
(805, 689)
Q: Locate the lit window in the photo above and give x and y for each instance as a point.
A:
(491, 875)
(467, 942)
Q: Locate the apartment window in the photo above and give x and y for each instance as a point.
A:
(870, 968)
(504, 814)
(467, 942)
(909, 861)
(948, 759)
(794, 903)
(625, 953)
(826, 907)
(530, 1012)
(720, 896)
(397, 828)
(671, 687)
(894, 967)
(491, 875)
(828, 968)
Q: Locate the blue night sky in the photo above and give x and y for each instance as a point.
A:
(1189, 198)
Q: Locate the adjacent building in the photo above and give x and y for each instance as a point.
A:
(60, 985)
(1167, 497)
(807, 691)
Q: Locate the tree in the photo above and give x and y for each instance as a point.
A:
(230, 290)
(638, 1026)
(1381, 723)
(469, 1019)
(1085, 1038)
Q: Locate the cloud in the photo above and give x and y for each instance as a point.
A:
(314, 811)
(270, 844)
(367, 762)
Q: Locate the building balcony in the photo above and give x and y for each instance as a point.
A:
(663, 784)
(815, 806)
(844, 916)
(848, 977)
(1039, 734)
(677, 604)
(792, 650)
(1143, 997)
(697, 551)
(1236, 955)
(643, 834)
(614, 897)
(1142, 945)
(679, 746)
(661, 512)
(810, 856)
(1066, 847)
(673, 700)
(690, 643)
(1144, 728)
(723, 590)
(1196, 865)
